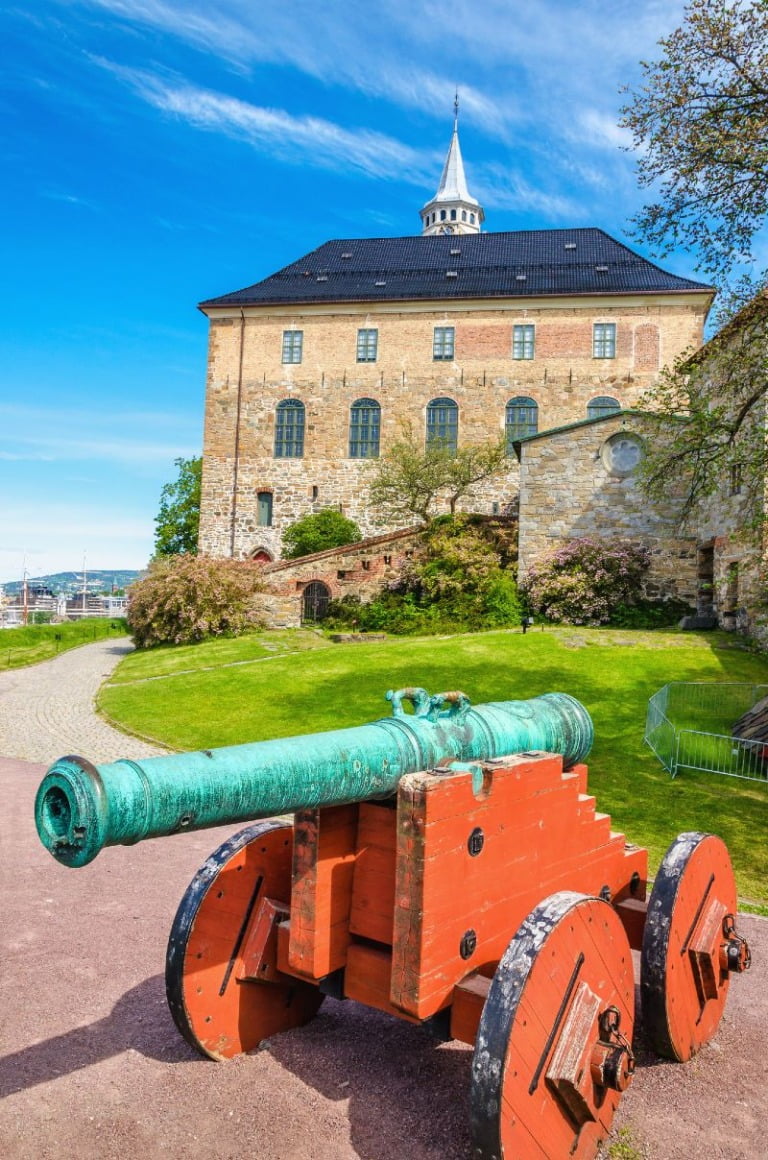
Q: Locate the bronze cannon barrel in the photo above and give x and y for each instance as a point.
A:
(81, 807)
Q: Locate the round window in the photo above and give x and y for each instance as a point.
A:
(621, 454)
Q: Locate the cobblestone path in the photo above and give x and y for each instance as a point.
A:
(47, 710)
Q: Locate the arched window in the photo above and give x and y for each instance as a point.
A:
(443, 423)
(602, 405)
(289, 430)
(364, 426)
(442, 215)
(521, 419)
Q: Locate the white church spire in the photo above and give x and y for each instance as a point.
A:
(452, 210)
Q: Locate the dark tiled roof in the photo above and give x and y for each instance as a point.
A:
(509, 265)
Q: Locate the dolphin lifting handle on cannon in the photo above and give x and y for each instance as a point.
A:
(447, 866)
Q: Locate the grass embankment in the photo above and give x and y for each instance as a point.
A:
(331, 686)
(40, 642)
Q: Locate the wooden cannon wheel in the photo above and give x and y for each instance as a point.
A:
(689, 946)
(216, 1007)
(552, 1051)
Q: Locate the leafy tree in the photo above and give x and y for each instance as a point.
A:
(325, 529)
(185, 598)
(410, 480)
(178, 520)
(700, 124)
(710, 414)
(470, 466)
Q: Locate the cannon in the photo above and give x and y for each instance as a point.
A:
(447, 866)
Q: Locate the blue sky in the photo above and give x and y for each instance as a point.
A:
(160, 152)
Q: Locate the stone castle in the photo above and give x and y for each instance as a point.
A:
(466, 336)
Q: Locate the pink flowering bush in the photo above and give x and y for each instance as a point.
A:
(186, 598)
(587, 581)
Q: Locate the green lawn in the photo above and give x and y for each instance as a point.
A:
(168, 659)
(612, 672)
(38, 642)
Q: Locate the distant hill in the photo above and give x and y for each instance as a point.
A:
(71, 583)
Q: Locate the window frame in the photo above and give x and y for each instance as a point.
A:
(289, 435)
(512, 431)
(364, 437)
(603, 340)
(261, 497)
(523, 341)
(598, 404)
(367, 344)
(293, 346)
(444, 344)
(440, 429)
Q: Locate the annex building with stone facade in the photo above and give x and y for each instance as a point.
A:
(464, 335)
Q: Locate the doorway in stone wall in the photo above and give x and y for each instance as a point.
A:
(315, 600)
(705, 574)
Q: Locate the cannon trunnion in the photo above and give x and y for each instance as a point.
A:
(486, 899)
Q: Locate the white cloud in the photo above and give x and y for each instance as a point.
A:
(25, 457)
(69, 436)
(67, 198)
(72, 449)
(328, 42)
(292, 139)
(494, 185)
(601, 130)
(54, 538)
(546, 79)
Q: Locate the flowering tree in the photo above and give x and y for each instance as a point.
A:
(186, 598)
(583, 582)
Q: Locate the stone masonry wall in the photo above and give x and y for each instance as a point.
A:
(246, 381)
(738, 586)
(360, 569)
(567, 492)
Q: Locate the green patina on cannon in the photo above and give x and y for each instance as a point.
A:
(80, 807)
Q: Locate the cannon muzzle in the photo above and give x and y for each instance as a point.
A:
(80, 807)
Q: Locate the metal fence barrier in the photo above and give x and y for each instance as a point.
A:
(688, 726)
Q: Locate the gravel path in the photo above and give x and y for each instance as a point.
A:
(47, 710)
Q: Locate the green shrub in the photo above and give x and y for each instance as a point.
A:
(186, 598)
(501, 604)
(316, 533)
(586, 581)
(649, 614)
(454, 583)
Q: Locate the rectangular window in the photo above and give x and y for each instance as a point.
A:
(604, 340)
(367, 345)
(293, 342)
(264, 509)
(443, 344)
(736, 479)
(523, 341)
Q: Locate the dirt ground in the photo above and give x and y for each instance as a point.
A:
(91, 1064)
